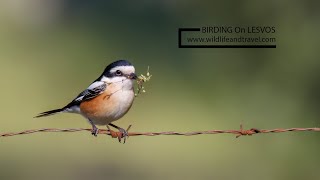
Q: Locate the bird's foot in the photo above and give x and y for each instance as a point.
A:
(124, 135)
(121, 134)
(95, 131)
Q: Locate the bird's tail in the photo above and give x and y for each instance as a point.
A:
(49, 113)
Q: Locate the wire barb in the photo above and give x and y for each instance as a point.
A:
(114, 134)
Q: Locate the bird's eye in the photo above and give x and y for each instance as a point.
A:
(118, 73)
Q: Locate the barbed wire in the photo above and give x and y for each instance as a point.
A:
(119, 135)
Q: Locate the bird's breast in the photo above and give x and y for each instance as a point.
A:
(109, 106)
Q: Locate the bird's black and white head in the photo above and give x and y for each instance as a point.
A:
(120, 71)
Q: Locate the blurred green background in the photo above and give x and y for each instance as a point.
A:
(50, 50)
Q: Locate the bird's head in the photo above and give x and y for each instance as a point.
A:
(119, 71)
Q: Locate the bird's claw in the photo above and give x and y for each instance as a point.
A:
(123, 134)
(95, 131)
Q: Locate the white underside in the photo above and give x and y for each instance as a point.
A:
(122, 100)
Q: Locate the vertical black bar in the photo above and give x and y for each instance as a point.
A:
(180, 34)
(179, 37)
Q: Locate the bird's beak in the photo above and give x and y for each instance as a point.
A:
(132, 76)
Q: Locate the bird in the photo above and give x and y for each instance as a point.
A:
(107, 99)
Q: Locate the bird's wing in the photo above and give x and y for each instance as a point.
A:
(96, 88)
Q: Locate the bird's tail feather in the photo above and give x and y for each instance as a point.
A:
(49, 113)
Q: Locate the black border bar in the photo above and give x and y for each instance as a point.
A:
(180, 30)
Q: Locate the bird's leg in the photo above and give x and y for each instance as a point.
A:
(94, 130)
(124, 133)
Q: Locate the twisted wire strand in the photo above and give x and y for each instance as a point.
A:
(114, 134)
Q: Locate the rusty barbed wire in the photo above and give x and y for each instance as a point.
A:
(114, 134)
